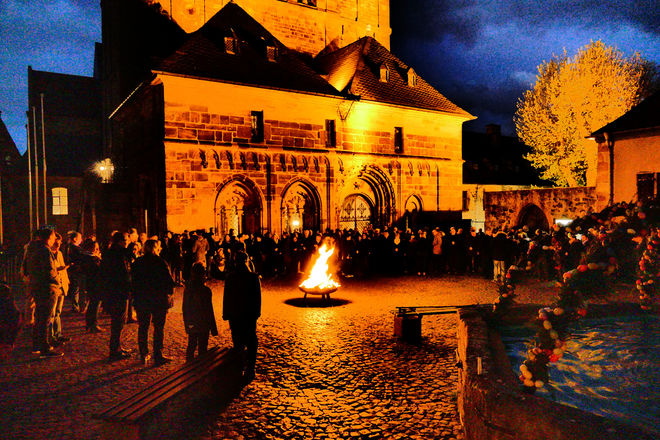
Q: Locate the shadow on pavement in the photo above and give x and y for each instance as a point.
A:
(316, 302)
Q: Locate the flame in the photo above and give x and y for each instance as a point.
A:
(320, 278)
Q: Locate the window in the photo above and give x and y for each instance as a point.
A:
(330, 133)
(384, 73)
(307, 2)
(412, 78)
(257, 126)
(398, 139)
(271, 53)
(231, 46)
(60, 201)
(645, 186)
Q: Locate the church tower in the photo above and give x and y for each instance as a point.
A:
(308, 26)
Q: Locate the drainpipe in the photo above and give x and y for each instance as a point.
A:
(610, 147)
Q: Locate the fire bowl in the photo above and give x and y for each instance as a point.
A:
(317, 290)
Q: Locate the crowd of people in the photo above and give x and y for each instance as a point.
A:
(128, 279)
(132, 276)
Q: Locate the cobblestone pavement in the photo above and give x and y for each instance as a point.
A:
(322, 372)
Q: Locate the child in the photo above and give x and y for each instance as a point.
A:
(10, 321)
(198, 316)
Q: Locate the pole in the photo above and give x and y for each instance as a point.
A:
(146, 224)
(29, 155)
(36, 167)
(43, 149)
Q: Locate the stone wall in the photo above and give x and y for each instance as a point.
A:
(504, 208)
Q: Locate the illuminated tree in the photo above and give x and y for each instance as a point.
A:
(572, 98)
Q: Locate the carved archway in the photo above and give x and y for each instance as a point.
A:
(384, 203)
(301, 207)
(238, 206)
(533, 217)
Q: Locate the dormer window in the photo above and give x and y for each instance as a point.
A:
(384, 73)
(231, 45)
(271, 53)
(412, 78)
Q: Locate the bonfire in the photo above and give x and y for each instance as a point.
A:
(320, 280)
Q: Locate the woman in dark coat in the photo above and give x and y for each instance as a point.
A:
(153, 289)
(90, 262)
(198, 315)
(115, 288)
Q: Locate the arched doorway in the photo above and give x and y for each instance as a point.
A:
(238, 207)
(383, 208)
(533, 217)
(356, 212)
(412, 209)
(301, 207)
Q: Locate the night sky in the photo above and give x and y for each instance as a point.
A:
(481, 54)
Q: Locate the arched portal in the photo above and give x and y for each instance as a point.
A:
(301, 207)
(384, 206)
(356, 212)
(533, 217)
(238, 207)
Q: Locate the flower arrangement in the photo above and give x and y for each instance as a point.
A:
(649, 272)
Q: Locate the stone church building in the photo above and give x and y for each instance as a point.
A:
(271, 115)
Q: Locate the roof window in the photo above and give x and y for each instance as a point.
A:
(231, 45)
(271, 53)
(412, 78)
(384, 73)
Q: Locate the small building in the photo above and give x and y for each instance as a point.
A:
(10, 223)
(57, 179)
(629, 155)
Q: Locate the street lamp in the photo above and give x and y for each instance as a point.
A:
(104, 169)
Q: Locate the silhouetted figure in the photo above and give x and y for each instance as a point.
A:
(198, 315)
(153, 289)
(242, 308)
(115, 285)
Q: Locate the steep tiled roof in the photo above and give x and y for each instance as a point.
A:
(644, 115)
(356, 68)
(203, 55)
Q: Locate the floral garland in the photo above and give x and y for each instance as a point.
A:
(649, 267)
(584, 282)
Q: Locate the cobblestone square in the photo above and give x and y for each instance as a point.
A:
(322, 372)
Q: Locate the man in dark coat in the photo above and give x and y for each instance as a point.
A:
(115, 288)
(152, 297)
(44, 286)
(242, 308)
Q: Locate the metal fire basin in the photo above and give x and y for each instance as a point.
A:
(325, 293)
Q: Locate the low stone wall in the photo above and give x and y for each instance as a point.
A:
(504, 209)
(492, 405)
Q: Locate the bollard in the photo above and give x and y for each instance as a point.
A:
(408, 327)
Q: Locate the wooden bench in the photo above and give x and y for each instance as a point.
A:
(215, 375)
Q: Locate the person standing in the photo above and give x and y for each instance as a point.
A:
(115, 288)
(90, 263)
(44, 287)
(153, 290)
(436, 253)
(242, 308)
(63, 278)
(71, 254)
(198, 315)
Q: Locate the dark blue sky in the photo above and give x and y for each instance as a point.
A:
(482, 54)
